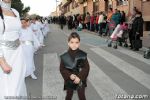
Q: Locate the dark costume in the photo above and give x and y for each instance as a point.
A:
(137, 27)
(74, 62)
(62, 21)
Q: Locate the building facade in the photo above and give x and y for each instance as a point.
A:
(143, 6)
(71, 7)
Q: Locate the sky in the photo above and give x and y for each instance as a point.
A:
(41, 7)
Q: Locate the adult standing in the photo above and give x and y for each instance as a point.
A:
(12, 65)
(116, 17)
(137, 29)
(88, 17)
(123, 17)
(62, 21)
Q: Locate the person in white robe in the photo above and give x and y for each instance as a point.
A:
(40, 27)
(12, 65)
(37, 31)
(28, 39)
(46, 28)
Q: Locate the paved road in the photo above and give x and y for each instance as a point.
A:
(114, 74)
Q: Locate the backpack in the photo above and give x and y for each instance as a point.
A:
(147, 54)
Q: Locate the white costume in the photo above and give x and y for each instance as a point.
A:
(28, 39)
(37, 32)
(12, 84)
(46, 28)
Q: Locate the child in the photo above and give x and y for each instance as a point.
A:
(74, 68)
(79, 28)
(118, 32)
(28, 39)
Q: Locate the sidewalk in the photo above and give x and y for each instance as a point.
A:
(145, 38)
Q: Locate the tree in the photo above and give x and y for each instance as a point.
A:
(19, 6)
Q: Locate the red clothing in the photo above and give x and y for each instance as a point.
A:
(92, 20)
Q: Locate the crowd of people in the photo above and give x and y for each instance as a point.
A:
(20, 39)
(104, 23)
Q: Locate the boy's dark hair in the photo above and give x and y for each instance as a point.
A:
(73, 35)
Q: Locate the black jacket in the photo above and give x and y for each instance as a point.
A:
(137, 26)
(66, 72)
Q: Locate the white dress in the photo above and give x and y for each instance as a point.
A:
(37, 28)
(41, 36)
(46, 28)
(28, 39)
(12, 84)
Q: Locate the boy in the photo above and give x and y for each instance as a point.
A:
(74, 68)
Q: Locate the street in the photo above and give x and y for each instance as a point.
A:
(115, 74)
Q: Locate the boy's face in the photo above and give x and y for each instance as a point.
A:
(74, 43)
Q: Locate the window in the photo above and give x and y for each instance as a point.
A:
(122, 2)
(68, 8)
(72, 4)
(85, 9)
(76, 4)
(96, 6)
(110, 4)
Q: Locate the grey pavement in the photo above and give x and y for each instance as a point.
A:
(115, 74)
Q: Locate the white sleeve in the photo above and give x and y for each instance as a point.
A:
(36, 43)
(1, 37)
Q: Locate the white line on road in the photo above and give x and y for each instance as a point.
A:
(127, 68)
(103, 84)
(52, 80)
(134, 55)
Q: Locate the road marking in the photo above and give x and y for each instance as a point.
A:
(103, 84)
(52, 80)
(134, 55)
(127, 68)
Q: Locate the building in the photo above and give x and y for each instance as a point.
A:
(53, 14)
(71, 7)
(143, 6)
(93, 6)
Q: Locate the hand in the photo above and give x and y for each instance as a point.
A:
(5, 67)
(72, 77)
(77, 80)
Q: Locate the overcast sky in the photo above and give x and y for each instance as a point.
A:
(41, 7)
